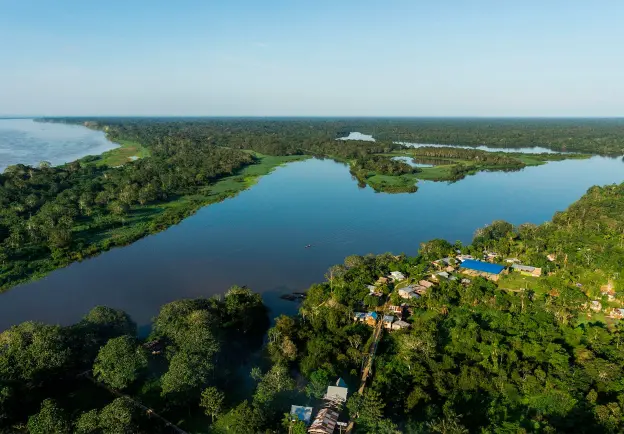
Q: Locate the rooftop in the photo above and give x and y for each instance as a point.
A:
(484, 267)
(302, 413)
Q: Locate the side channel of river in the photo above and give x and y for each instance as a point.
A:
(258, 238)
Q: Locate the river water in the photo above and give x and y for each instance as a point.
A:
(28, 142)
(258, 238)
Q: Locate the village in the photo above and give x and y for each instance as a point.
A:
(394, 317)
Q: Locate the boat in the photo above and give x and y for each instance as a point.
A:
(308, 246)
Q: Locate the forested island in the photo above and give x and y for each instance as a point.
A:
(519, 332)
(166, 169)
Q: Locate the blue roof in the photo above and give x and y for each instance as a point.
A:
(485, 267)
(341, 383)
(302, 413)
(372, 315)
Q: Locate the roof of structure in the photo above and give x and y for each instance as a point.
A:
(302, 413)
(484, 267)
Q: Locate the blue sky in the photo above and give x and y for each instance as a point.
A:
(313, 57)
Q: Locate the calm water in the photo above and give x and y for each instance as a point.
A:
(532, 150)
(410, 161)
(28, 142)
(258, 238)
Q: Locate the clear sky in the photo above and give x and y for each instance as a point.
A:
(312, 57)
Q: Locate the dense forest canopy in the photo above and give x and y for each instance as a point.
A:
(519, 354)
(594, 136)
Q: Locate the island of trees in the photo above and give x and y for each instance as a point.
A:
(520, 352)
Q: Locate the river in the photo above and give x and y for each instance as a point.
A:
(258, 238)
(28, 142)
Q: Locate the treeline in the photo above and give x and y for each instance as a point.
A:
(383, 166)
(593, 136)
(57, 380)
(473, 155)
(52, 213)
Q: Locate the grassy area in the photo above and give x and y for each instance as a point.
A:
(393, 184)
(126, 152)
(516, 281)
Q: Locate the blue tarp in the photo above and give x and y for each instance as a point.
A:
(485, 267)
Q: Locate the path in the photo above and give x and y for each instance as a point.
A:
(372, 350)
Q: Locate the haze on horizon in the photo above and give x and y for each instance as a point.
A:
(322, 58)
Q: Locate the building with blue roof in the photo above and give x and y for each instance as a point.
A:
(480, 268)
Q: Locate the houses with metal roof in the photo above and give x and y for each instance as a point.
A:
(324, 422)
(301, 413)
(527, 270)
(400, 325)
(396, 276)
(480, 268)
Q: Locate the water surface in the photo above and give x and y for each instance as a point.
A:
(531, 150)
(258, 238)
(28, 142)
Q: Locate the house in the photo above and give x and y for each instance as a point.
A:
(337, 392)
(405, 292)
(596, 306)
(443, 263)
(480, 268)
(441, 275)
(420, 290)
(608, 290)
(397, 310)
(396, 276)
(324, 422)
(462, 258)
(382, 280)
(301, 413)
(359, 316)
(387, 321)
(400, 325)
(609, 294)
(425, 283)
(371, 288)
(449, 269)
(513, 260)
(617, 313)
(371, 318)
(466, 281)
(527, 270)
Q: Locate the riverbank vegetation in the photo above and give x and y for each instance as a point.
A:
(513, 354)
(52, 216)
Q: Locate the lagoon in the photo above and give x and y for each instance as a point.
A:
(28, 142)
(258, 238)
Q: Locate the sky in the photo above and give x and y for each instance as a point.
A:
(312, 58)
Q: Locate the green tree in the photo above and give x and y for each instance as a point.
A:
(33, 351)
(186, 375)
(212, 401)
(120, 362)
(366, 409)
(118, 417)
(88, 423)
(316, 387)
(242, 419)
(50, 420)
